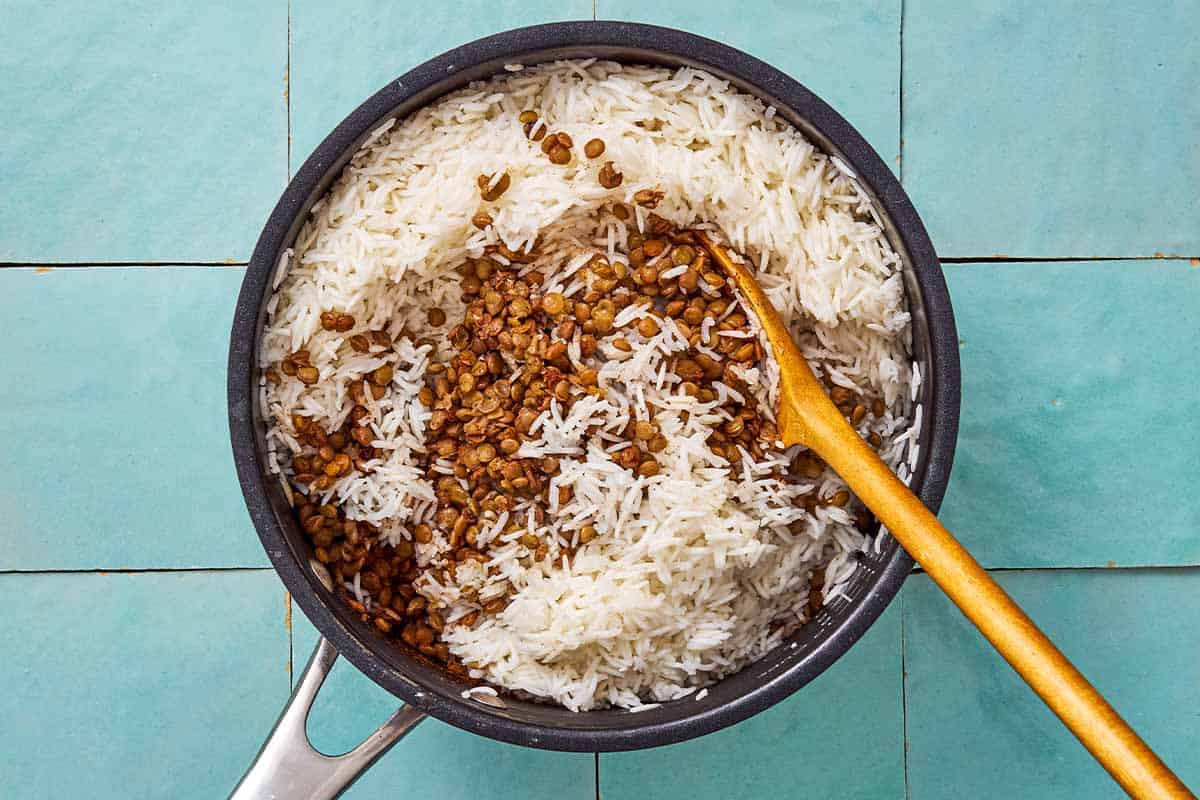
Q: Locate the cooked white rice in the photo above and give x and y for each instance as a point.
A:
(694, 570)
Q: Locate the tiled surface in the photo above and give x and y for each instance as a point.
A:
(435, 759)
(329, 79)
(140, 131)
(818, 44)
(849, 721)
(974, 730)
(137, 685)
(114, 416)
(1075, 446)
(1053, 129)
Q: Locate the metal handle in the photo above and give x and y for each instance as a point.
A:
(289, 767)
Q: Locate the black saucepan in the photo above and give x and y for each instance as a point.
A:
(424, 688)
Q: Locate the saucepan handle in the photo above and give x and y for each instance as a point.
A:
(288, 766)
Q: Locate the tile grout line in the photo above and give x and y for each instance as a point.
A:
(287, 172)
(287, 96)
(53, 265)
(900, 165)
(903, 695)
(130, 570)
(1094, 568)
(1059, 259)
(916, 570)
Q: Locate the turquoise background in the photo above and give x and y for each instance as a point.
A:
(1053, 150)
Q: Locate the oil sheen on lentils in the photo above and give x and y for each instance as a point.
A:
(528, 427)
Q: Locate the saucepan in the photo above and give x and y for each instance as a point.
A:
(288, 766)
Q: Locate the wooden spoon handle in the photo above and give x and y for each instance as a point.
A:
(807, 416)
(1035, 658)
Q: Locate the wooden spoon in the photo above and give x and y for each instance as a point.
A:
(808, 417)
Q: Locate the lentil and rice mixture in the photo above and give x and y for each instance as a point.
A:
(527, 424)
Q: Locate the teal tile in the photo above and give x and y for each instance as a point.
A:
(137, 685)
(975, 730)
(140, 131)
(435, 760)
(848, 53)
(1076, 445)
(1053, 129)
(329, 79)
(842, 736)
(117, 446)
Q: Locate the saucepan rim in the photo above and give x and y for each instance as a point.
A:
(759, 685)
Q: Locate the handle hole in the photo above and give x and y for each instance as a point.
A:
(349, 706)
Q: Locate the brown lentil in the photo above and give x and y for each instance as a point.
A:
(492, 194)
(744, 352)
(647, 327)
(383, 375)
(840, 395)
(648, 468)
(858, 414)
(609, 178)
(689, 280)
(554, 304)
(647, 198)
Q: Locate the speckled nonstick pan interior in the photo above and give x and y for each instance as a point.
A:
(794, 663)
